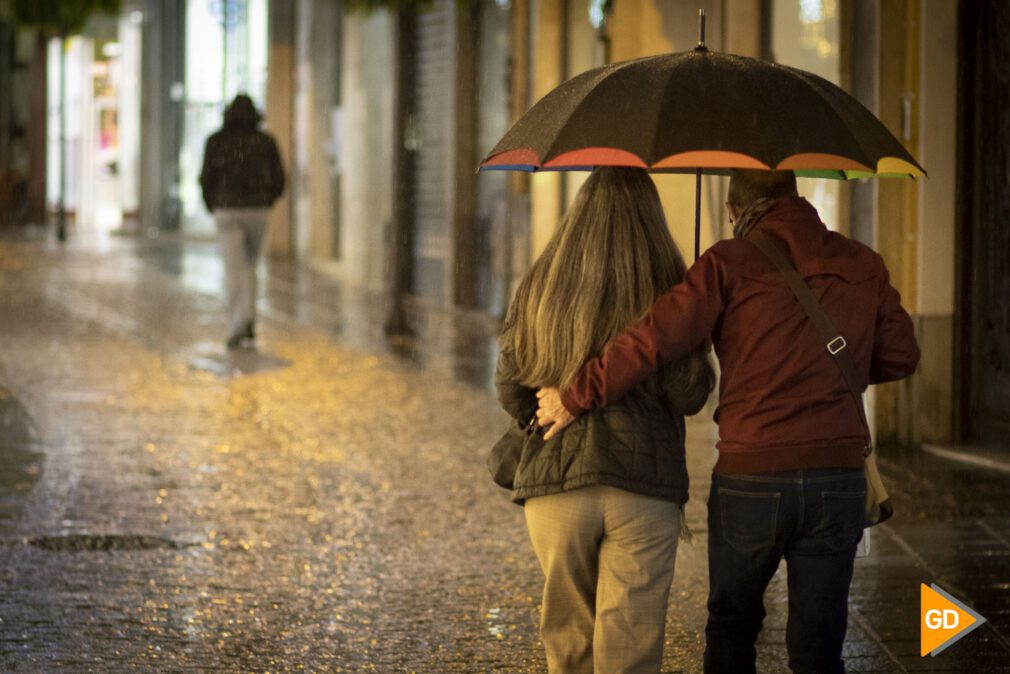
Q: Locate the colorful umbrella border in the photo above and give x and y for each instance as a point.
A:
(804, 165)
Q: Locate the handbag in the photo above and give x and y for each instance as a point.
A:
(878, 504)
(503, 460)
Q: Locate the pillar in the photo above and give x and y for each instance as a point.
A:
(280, 120)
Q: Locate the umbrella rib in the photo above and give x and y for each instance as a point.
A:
(845, 112)
(538, 118)
(654, 153)
(606, 72)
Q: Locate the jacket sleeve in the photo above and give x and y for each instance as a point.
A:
(518, 400)
(276, 172)
(678, 322)
(209, 174)
(688, 382)
(895, 350)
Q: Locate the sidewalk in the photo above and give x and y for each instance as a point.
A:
(322, 504)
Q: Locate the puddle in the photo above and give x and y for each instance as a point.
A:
(216, 359)
(103, 543)
(15, 422)
(20, 469)
(20, 464)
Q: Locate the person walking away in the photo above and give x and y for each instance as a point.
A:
(788, 482)
(603, 501)
(241, 178)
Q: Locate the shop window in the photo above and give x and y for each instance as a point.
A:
(805, 34)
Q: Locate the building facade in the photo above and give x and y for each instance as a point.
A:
(383, 116)
(899, 58)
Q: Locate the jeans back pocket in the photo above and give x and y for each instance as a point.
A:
(748, 519)
(842, 520)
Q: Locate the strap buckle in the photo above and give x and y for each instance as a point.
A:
(836, 345)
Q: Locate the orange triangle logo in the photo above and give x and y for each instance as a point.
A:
(944, 620)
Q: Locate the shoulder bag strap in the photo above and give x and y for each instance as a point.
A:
(833, 340)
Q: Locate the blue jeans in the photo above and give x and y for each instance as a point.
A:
(813, 518)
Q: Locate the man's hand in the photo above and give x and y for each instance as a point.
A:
(551, 414)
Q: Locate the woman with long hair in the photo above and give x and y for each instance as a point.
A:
(604, 499)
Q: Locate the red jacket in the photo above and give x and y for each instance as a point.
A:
(782, 401)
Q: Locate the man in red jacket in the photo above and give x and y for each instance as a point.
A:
(788, 481)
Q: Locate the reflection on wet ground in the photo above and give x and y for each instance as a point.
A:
(321, 502)
(216, 358)
(462, 343)
(101, 543)
(21, 461)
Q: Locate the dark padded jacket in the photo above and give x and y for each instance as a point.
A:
(636, 444)
(241, 165)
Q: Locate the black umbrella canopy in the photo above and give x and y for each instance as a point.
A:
(702, 110)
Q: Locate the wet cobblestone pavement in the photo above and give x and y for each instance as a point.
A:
(321, 504)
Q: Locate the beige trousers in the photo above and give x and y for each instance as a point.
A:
(608, 556)
(240, 231)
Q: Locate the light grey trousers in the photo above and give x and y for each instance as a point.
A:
(240, 231)
(608, 556)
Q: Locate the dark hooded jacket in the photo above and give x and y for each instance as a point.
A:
(637, 444)
(241, 165)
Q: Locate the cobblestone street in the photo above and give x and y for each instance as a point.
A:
(322, 504)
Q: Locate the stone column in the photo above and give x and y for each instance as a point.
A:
(465, 255)
(983, 226)
(897, 233)
(37, 132)
(7, 37)
(548, 63)
(162, 95)
(280, 120)
(937, 213)
(402, 236)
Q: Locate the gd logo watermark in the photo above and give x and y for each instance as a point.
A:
(944, 621)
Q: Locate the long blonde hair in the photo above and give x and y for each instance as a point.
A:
(609, 259)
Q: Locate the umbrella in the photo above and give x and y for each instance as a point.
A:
(702, 111)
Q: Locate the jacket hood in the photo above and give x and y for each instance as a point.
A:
(242, 113)
(795, 221)
(814, 248)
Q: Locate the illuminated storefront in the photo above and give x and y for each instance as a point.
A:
(226, 54)
(805, 35)
(100, 138)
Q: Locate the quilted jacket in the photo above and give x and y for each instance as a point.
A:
(636, 444)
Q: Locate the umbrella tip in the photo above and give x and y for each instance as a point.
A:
(701, 30)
